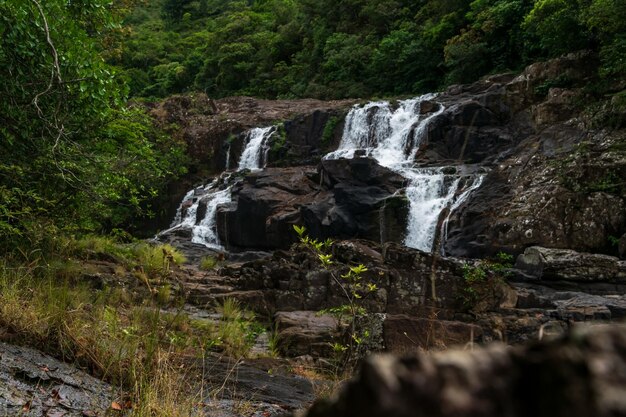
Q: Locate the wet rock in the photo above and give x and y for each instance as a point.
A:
(558, 107)
(579, 375)
(35, 384)
(346, 198)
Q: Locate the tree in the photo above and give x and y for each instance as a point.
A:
(67, 149)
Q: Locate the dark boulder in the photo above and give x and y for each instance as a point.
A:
(346, 198)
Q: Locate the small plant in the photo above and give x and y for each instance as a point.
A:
(280, 138)
(350, 284)
(207, 263)
(236, 331)
(483, 279)
(562, 81)
(157, 260)
(614, 241)
(329, 130)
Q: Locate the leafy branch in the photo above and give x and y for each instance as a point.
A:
(352, 287)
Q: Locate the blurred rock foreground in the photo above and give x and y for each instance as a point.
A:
(582, 374)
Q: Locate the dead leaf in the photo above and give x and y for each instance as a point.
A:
(26, 407)
(116, 406)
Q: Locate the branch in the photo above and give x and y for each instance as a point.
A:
(56, 70)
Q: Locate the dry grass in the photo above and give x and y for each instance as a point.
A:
(131, 347)
(235, 330)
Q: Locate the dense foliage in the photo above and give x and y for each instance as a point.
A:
(71, 151)
(350, 48)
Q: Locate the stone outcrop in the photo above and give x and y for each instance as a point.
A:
(569, 265)
(35, 384)
(407, 312)
(341, 199)
(582, 374)
(554, 179)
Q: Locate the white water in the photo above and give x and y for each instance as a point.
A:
(393, 138)
(203, 231)
(253, 155)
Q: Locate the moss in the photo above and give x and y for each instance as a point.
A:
(329, 130)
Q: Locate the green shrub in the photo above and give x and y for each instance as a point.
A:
(157, 260)
(208, 262)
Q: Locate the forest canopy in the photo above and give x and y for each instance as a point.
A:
(72, 151)
(355, 48)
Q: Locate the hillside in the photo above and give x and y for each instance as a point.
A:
(227, 208)
(355, 48)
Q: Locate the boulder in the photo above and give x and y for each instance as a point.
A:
(578, 375)
(345, 198)
(564, 264)
(307, 333)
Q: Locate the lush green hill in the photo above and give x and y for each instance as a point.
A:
(355, 48)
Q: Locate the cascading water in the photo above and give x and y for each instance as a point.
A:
(393, 138)
(253, 155)
(203, 230)
(210, 197)
(390, 135)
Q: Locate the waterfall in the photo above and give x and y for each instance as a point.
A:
(393, 138)
(253, 155)
(429, 192)
(203, 230)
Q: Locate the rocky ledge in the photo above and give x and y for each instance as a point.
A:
(34, 384)
(422, 300)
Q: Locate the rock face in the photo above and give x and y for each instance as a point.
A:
(554, 178)
(206, 124)
(34, 384)
(582, 374)
(341, 199)
(407, 312)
